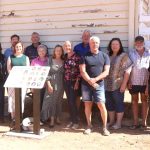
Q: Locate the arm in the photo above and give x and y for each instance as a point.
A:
(125, 80)
(27, 61)
(9, 65)
(49, 87)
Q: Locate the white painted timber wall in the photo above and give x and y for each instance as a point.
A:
(60, 20)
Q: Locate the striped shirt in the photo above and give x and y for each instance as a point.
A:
(139, 73)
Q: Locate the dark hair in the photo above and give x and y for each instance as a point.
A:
(121, 50)
(62, 56)
(15, 35)
(139, 39)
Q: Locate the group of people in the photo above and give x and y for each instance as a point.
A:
(83, 71)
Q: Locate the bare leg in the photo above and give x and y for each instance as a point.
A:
(135, 109)
(88, 112)
(111, 117)
(119, 118)
(145, 109)
(103, 112)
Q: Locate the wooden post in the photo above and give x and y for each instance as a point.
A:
(36, 111)
(18, 112)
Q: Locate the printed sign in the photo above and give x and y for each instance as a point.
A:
(27, 77)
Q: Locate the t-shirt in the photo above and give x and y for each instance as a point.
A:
(7, 53)
(95, 63)
(31, 52)
(81, 50)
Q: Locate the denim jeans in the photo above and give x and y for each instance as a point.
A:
(71, 97)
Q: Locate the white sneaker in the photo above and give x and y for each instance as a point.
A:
(116, 127)
(69, 125)
(87, 131)
(75, 126)
(106, 132)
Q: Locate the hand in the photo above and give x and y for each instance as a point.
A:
(92, 81)
(50, 89)
(129, 86)
(95, 85)
(122, 88)
(76, 86)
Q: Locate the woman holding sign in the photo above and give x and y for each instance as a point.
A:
(17, 59)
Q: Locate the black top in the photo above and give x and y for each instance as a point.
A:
(2, 69)
(31, 52)
(95, 63)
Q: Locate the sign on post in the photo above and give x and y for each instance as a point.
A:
(27, 77)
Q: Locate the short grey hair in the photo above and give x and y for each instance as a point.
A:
(87, 31)
(43, 47)
(95, 38)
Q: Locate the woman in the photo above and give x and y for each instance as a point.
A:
(72, 78)
(17, 59)
(41, 60)
(52, 103)
(116, 82)
(2, 80)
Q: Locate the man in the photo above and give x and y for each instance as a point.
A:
(139, 81)
(94, 68)
(83, 48)
(31, 51)
(9, 51)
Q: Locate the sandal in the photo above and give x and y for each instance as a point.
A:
(143, 127)
(134, 127)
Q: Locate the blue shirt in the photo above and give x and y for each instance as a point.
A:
(8, 52)
(95, 63)
(81, 49)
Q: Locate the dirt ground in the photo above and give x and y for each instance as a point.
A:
(61, 138)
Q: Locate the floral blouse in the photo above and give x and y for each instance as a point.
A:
(118, 66)
(71, 67)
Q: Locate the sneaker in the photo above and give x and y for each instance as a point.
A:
(106, 132)
(75, 126)
(115, 127)
(87, 131)
(69, 125)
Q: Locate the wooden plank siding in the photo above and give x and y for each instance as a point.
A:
(60, 20)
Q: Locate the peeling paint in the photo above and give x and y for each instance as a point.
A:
(11, 14)
(87, 25)
(114, 31)
(38, 20)
(91, 11)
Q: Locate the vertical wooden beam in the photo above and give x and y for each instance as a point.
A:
(18, 112)
(36, 111)
(131, 23)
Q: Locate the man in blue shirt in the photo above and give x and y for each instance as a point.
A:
(82, 48)
(9, 51)
(94, 68)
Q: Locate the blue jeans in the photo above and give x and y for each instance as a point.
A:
(71, 96)
(1, 100)
(115, 101)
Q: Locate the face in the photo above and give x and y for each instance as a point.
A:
(35, 38)
(18, 48)
(139, 46)
(42, 52)
(58, 52)
(94, 45)
(115, 46)
(67, 47)
(86, 37)
(14, 41)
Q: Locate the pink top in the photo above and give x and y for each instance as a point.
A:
(38, 62)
